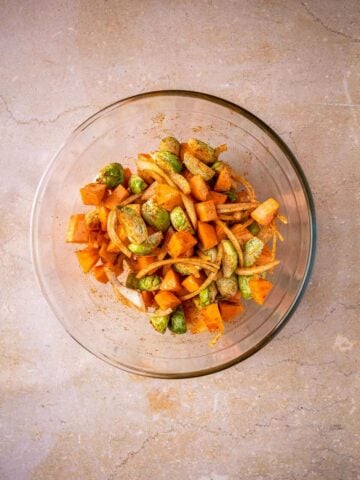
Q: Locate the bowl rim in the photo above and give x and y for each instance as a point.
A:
(297, 169)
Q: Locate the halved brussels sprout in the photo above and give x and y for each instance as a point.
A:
(196, 167)
(180, 221)
(207, 295)
(146, 247)
(170, 144)
(254, 228)
(92, 220)
(218, 166)
(252, 251)
(202, 150)
(227, 286)
(160, 323)
(155, 216)
(244, 286)
(167, 161)
(136, 184)
(177, 322)
(112, 175)
(132, 282)
(211, 253)
(230, 258)
(149, 283)
(135, 227)
(187, 269)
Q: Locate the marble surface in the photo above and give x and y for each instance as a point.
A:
(292, 410)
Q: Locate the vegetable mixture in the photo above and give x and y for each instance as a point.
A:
(184, 239)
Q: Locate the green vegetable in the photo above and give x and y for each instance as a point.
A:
(170, 144)
(136, 184)
(252, 251)
(254, 228)
(146, 247)
(112, 175)
(155, 216)
(244, 287)
(132, 282)
(230, 258)
(180, 221)
(196, 167)
(227, 286)
(232, 196)
(218, 166)
(92, 220)
(202, 150)
(160, 323)
(211, 253)
(167, 161)
(177, 322)
(149, 283)
(187, 269)
(135, 227)
(207, 295)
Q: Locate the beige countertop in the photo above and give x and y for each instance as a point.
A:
(291, 411)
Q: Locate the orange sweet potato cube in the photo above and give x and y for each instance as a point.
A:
(118, 195)
(179, 243)
(266, 211)
(217, 198)
(87, 258)
(192, 283)
(199, 188)
(105, 255)
(230, 310)
(167, 196)
(212, 317)
(99, 274)
(224, 181)
(207, 235)
(93, 193)
(167, 300)
(77, 231)
(171, 281)
(206, 211)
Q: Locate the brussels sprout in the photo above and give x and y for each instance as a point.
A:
(230, 258)
(146, 247)
(211, 253)
(167, 161)
(202, 150)
(232, 196)
(135, 227)
(180, 221)
(227, 286)
(132, 282)
(155, 216)
(254, 228)
(252, 251)
(207, 295)
(218, 166)
(196, 167)
(170, 144)
(187, 269)
(160, 323)
(92, 220)
(149, 283)
(244, 287)
(177, 322)
(112, 175)
(136, 184)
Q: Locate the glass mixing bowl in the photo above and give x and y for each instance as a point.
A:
(88, 310)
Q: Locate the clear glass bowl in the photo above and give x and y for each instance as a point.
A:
(88, 310)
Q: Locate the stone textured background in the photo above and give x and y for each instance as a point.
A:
(292, 410)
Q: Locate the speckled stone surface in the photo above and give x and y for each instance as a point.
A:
(292, 410)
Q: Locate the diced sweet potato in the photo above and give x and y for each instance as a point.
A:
(112, 248)
(107, 256)
(87, 258)
(265, 257)
(193, 320)
(191, 283)
(167, 300)
(237, 298)
(199, 188)
(118, 195)
(266, 211)
(127, 175)
(93, 193)
(207, 235)
(144, 261)
(120, 230)
(171, 281)
(167, 196)
(260, 288)
(179, 243)
(96, 239)
(224, 181)
(148, 298)
(217, 198)
(220, 232)
(230, 310)
(99, 274)
(241, 233)
(117, 267)
(77, 231)
(212, 317)
(206, 211)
